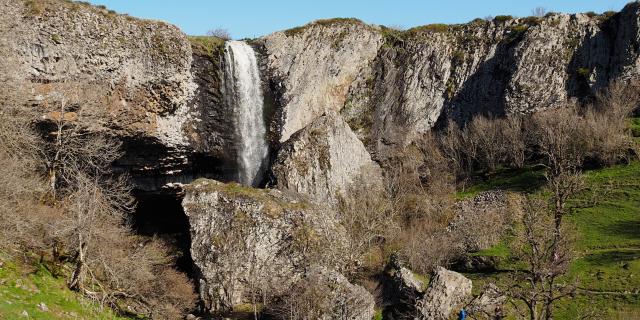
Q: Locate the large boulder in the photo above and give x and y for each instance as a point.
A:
(325, 295)
(246, 241)
(324, 159)
(446, 293)
(401, 290)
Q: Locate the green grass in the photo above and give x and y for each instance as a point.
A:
(500, 250)
(611, 216)
(377, 315)
(635, 126)
(22, 292)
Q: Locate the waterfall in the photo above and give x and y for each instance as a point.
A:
(244, 95)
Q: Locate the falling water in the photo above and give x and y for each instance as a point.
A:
(244, 95)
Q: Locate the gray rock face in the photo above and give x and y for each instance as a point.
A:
(246, 241)
(146, 83)
(314, 66)
(436, 73)
(138, 80)
(445, 294)
(394, 86)
(324, 159)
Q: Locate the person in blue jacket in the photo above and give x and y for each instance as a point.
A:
(462, 315)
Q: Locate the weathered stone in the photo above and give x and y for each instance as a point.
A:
(313, 67)
(327, 295)
(137, 80)
(489, 304)
(447, 292)
(404, 278)
(324, 159)
(246, 240)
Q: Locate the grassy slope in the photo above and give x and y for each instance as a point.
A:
(22, 291)
(607, 220)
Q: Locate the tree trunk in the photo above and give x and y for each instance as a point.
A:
(77, 277)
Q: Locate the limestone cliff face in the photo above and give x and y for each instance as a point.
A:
(395, 86)
(138, 80)
(148, 84)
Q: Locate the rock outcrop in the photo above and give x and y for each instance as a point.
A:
(407, 298)
(438, 73)
(246, 240)
(137, 80)
(490, 303)
(313, 66)
(447, 291)
(324, 159)
(326, 295)
(398, 85)
(401, 290)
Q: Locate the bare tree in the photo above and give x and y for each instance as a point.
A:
(486, 134)
(221, 33)
(515, 143)
(539, 12)
(546, 248)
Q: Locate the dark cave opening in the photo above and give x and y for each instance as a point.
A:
(160, 214)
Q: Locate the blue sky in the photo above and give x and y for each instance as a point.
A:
(253, 18)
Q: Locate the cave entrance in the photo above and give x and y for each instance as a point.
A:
(160, 214)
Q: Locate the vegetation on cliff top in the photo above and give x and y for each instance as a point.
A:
(208, 45)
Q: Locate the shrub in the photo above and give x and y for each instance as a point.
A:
(583, 72)
(434, 28)
(516, 33)
(502, 18)
(531, 21)
(220, 33)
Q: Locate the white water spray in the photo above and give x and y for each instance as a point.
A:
(244, 95)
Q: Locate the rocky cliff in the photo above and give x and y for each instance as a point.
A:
(439, 72)
(160, 91)
(139, 80)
